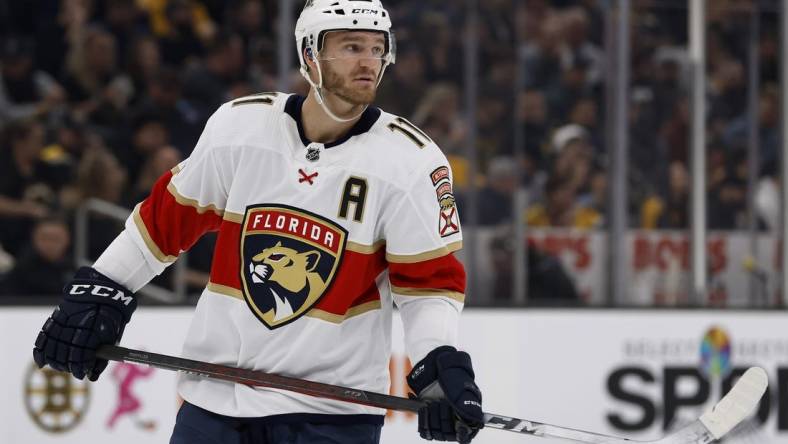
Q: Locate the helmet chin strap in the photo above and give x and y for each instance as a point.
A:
(319, 91)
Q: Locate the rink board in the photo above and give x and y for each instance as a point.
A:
(571, 367)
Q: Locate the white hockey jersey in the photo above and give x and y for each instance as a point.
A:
(315, 244)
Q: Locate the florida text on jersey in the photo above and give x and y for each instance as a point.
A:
(316, 243)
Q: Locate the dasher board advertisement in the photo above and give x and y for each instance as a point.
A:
(636, 374)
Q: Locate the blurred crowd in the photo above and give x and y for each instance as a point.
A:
(99, 97)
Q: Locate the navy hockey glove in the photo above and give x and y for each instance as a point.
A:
(94, 312)
(444, 378)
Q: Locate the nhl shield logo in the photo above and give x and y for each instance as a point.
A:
(313, 154)
(289, 260)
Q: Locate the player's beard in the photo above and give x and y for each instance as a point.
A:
(338, 85)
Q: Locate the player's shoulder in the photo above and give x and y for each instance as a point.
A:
(262, 102)
(405, 141)
(259, 107)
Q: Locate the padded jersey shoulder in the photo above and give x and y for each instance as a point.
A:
(404, 148)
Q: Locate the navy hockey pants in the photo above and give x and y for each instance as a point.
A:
(195, 425)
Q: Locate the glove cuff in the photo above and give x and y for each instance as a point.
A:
(425, 372)
(461, 360)
(89, 285)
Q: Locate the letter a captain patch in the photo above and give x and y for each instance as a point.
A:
(289, 258)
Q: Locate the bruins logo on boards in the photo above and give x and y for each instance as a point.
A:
(289, 259)
(55, 401)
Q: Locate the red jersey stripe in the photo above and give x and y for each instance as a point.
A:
(442, 273)
(171, 225)
(226, 264)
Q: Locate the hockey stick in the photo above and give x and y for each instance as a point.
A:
(737, 404)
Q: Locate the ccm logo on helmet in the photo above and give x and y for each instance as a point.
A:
(101, 291)
(365, 11)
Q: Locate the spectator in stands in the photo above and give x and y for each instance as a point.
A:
(581, 62)
(727, 196)
(23, 195)
(262, 70)
(668, 84)
(497, 35)
(253, 24)
(149, 133)
(532, 115)
(45, 267)
(164, 99)
(404, 88)
(727, 90)
(674, 132)
(183, 26)
(572, 88)
(593, 202)
(495, 198)
(647, 163)
(25, 92)
(443, 57)
(157, 163)
(767, 198)
(57, 26)
(572, 156)
(578, 49)
(125, 21)
(144, 64)
(439, 114)
(559, 208)
(99, 176)
(584, 113)
(671, 209)
(542, 57)
(209, 84)
(770, 55)
(493, 113)
(572, 164)
(97, 91)
(548, 282)
(734, 134)
(59, 159)
(528, 17)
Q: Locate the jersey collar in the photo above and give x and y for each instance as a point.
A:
(368, 118)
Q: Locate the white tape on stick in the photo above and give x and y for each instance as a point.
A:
(737, 404)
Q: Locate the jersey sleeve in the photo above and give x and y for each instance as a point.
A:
(185, 203)
(427, 281)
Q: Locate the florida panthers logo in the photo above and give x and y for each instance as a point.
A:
(290, 258)
(292, 271)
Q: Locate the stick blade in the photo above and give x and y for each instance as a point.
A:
(737, 404)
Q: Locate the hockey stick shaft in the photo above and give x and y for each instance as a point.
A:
(256, 378)
(259, 379)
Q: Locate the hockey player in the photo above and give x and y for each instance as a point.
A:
(329, 212)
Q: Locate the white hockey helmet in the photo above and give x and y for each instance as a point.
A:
(321, 16)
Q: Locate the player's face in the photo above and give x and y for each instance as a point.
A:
(351, 63)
